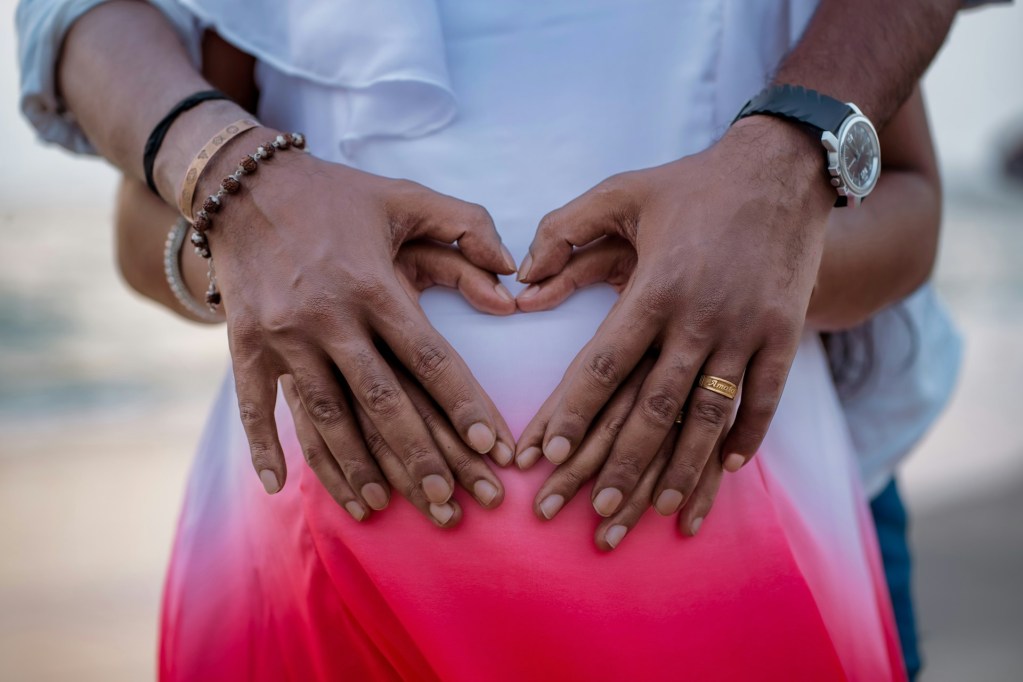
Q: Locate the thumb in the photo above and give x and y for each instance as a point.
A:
(605, 210)
(610, 259)
(449, 220)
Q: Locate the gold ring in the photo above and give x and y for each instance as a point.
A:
(718, 385)
(678, 419)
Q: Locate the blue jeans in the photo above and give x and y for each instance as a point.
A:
(891, 522)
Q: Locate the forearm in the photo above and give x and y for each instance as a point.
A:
(142, 222)
(122, 68)
(877, 254)
(870, 52)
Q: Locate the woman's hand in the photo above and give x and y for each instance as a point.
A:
(306, 261)
(726, 258)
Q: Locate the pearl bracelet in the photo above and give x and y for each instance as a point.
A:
(172, 269)
(231, 185)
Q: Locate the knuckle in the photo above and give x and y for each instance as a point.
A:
(604, 368)
(429, 360)
(476, 216)
(250, 414)
(628, 465)
(327, 410)
(462, 463)
(549, 225)
(261, 454)
(245, 336)
(710, 413)
(660, 407)
(383, 398)
(613, 426)
(417, 457)
(656, 299)
(571, 478)
(313, 455)
(375, 444)
(685, 474)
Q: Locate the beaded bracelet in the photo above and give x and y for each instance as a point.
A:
(172, 270)
(231, 185)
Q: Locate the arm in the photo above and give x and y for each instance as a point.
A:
(884, 251)
(749, 216)
(872, 257)
(294, 305)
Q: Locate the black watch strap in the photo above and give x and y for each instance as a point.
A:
(798, 104)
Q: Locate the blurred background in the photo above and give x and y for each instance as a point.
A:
(103, 395)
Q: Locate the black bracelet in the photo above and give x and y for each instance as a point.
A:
(160, 131)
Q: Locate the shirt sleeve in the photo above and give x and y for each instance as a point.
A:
(41, 26)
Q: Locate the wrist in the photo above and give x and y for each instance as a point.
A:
(783, 157)
(186, 138)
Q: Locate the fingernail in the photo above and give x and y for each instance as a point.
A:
(442, 512)
(356, 510)
(668, 502)
(734, 462)
(529, 292)
(614, 535)
(557, 449)
(528, 457)
(503, 292)
(269, 481)
(436, 489)
(509, 260)
(694, 527)
(502, 454)
(375, 495)
(481, 438)
(607, 501)
(551, 505)
(485, 491)
(527, 263)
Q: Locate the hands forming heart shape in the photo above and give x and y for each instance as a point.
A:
(715, 260)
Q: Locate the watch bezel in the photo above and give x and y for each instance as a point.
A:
(833, 144)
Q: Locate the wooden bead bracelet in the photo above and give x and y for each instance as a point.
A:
(203, 221)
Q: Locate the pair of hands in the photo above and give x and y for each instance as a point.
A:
(320, 273)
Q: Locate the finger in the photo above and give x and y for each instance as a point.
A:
(430, 264)
(444, 514)
(438, 368)
(256, 388)
(376, 388)
(761, 392)
(657, 407)
(617, 347)
(318, 457)
(707, 414)
(613, 529)
(609, 259)
(565, 481)
(611, 208)
(469, 467)
(700, 502)
(328, 410)
(451, 220)
(529, 448)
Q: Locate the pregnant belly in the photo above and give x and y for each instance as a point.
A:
(518, 359)
(506, 596)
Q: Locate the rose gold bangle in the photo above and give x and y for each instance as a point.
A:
(205, 155)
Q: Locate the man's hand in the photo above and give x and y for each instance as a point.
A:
(305, 259)
(727, 244)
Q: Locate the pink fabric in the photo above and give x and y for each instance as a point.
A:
(291, 588)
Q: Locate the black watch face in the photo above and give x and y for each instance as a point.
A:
(860, 156)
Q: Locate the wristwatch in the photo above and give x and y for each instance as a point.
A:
(854, 152)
